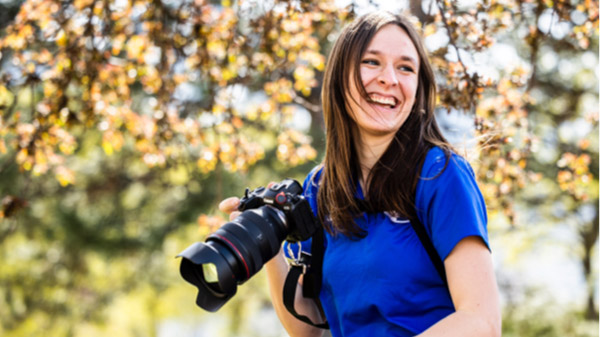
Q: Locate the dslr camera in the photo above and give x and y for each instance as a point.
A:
(237, 250)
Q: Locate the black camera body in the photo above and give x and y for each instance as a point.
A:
(287, 197)
(239, 249)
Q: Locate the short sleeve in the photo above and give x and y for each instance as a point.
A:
(449, 203)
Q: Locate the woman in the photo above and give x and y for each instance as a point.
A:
(385, 150)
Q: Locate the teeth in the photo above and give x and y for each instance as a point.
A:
(383, 100)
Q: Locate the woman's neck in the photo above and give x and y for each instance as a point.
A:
(369, 149)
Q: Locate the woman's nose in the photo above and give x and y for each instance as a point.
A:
(388, 76)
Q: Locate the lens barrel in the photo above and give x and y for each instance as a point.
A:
(237, 250)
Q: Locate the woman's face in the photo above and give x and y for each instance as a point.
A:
(389, 70)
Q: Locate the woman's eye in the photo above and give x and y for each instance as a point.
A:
(370, 62)
(407, 69)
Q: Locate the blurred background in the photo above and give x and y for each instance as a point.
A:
(124, 123)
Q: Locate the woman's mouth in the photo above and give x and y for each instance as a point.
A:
(387, 101)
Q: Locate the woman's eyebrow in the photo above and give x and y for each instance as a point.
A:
(403, 57)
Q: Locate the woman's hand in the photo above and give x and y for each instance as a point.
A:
(230, 206)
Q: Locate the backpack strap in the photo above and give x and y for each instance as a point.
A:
(428, 245)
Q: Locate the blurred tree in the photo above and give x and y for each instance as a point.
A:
(555, 97)
(8, 11)
(121, 121)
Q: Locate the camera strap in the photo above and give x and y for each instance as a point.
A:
(311, 286)
(428, 245)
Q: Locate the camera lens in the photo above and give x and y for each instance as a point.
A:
(232, 254)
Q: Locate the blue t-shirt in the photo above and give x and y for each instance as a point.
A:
(385, 284)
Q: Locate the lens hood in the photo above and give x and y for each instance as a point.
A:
(208, 298)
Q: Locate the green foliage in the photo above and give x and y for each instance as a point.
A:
(545, 319)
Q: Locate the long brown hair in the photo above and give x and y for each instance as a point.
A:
(392, 181)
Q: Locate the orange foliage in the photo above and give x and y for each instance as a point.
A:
(117, 67)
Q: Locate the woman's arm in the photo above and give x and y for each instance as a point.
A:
(474, 293)
(277, 270)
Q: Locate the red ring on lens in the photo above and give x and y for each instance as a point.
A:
(237, 251)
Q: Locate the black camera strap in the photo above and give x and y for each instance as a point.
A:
(311, 286)
(428, 245)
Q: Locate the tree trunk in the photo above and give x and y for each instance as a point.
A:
(416, 9)
(589, 237)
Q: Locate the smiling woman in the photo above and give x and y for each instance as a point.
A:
(389, 180)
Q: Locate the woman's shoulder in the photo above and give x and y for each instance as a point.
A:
(311, 182)
(439, 160)
(316, 172)
(448, 200)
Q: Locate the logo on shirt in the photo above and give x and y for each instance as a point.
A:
(395, 217)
